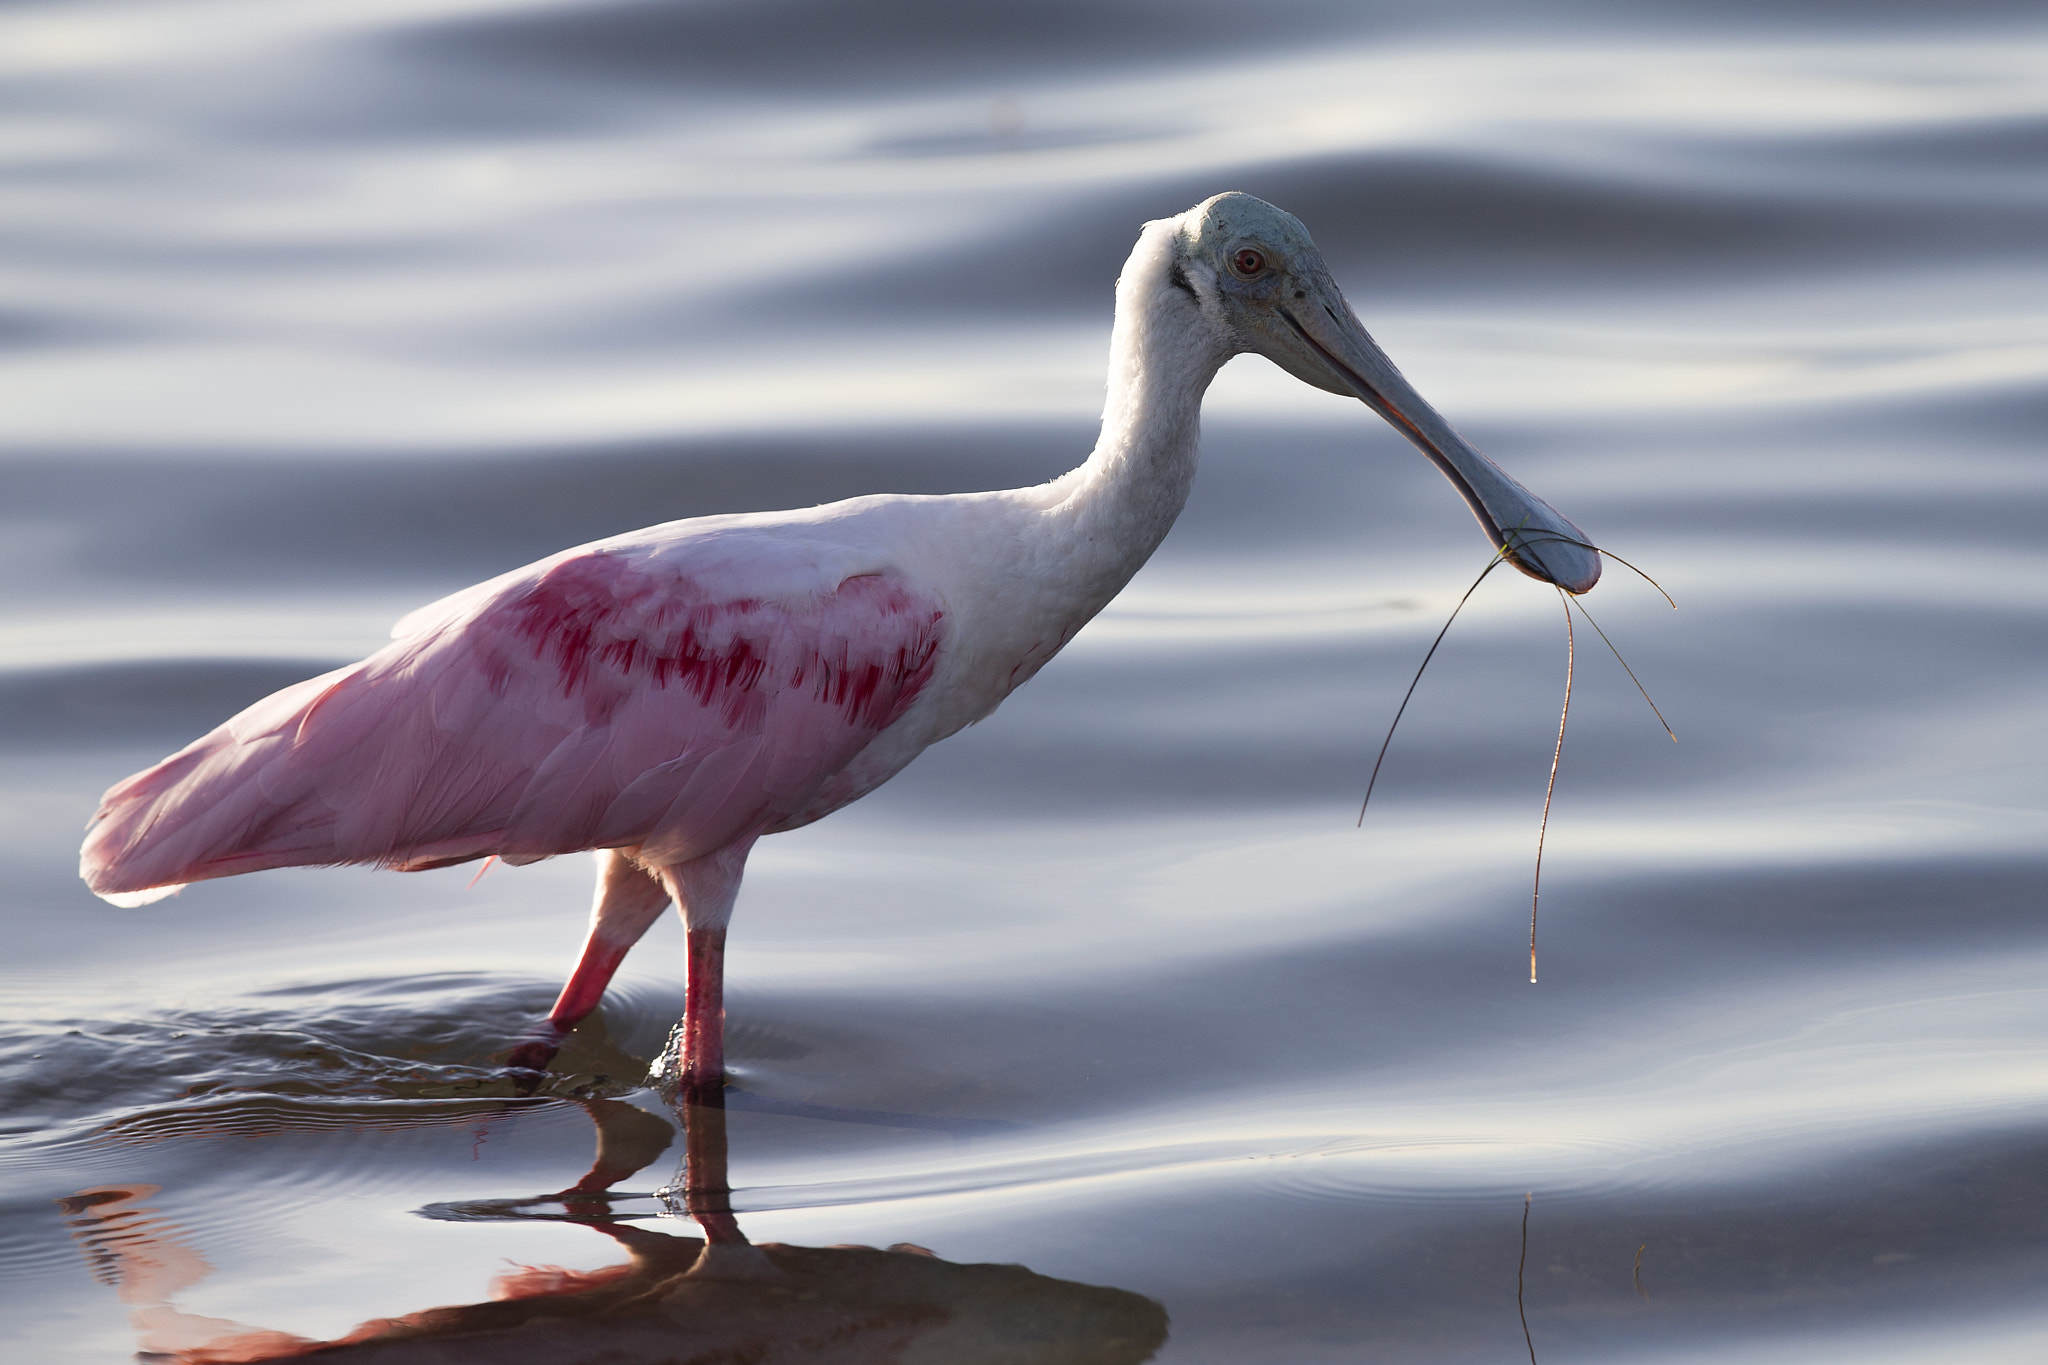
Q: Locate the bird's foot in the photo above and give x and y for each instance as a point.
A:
(535, 1052)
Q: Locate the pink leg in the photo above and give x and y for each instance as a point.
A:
(704, 1020)
(628, 901)
(705, 888)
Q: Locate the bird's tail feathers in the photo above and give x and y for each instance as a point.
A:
(210, 810)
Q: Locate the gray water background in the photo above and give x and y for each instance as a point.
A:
(310, 313)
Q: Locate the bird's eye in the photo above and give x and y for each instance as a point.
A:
(1248, 262)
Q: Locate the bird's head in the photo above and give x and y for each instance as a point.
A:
(1262, 286)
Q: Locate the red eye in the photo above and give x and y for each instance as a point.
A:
(1248, 262)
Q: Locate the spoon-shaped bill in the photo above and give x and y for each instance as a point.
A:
(1534, 536)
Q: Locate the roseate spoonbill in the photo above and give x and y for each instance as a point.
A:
(668, 696)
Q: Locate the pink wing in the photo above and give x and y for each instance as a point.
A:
(607, 698)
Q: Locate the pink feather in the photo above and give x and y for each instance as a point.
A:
(610, 697)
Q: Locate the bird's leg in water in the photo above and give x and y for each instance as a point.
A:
(707, 1194)
(703, 1060)
(704, 889)
(707, 1190)
(629, 900)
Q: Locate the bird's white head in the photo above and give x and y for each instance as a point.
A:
(1259, 283)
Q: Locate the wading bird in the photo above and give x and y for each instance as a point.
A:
(668, 696)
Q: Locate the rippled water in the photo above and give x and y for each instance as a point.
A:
(314, 312)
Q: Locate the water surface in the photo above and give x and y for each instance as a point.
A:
(313, 313)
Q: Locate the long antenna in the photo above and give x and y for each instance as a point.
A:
(1520, 1266)
(1603, 552)
(1624, 667)
(1564, 714)
(1543, 830)
(1491, 565)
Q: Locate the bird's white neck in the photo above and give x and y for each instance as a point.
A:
(1113, 511)
(1025, 568)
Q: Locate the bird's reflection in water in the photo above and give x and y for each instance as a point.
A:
(673, 1300)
